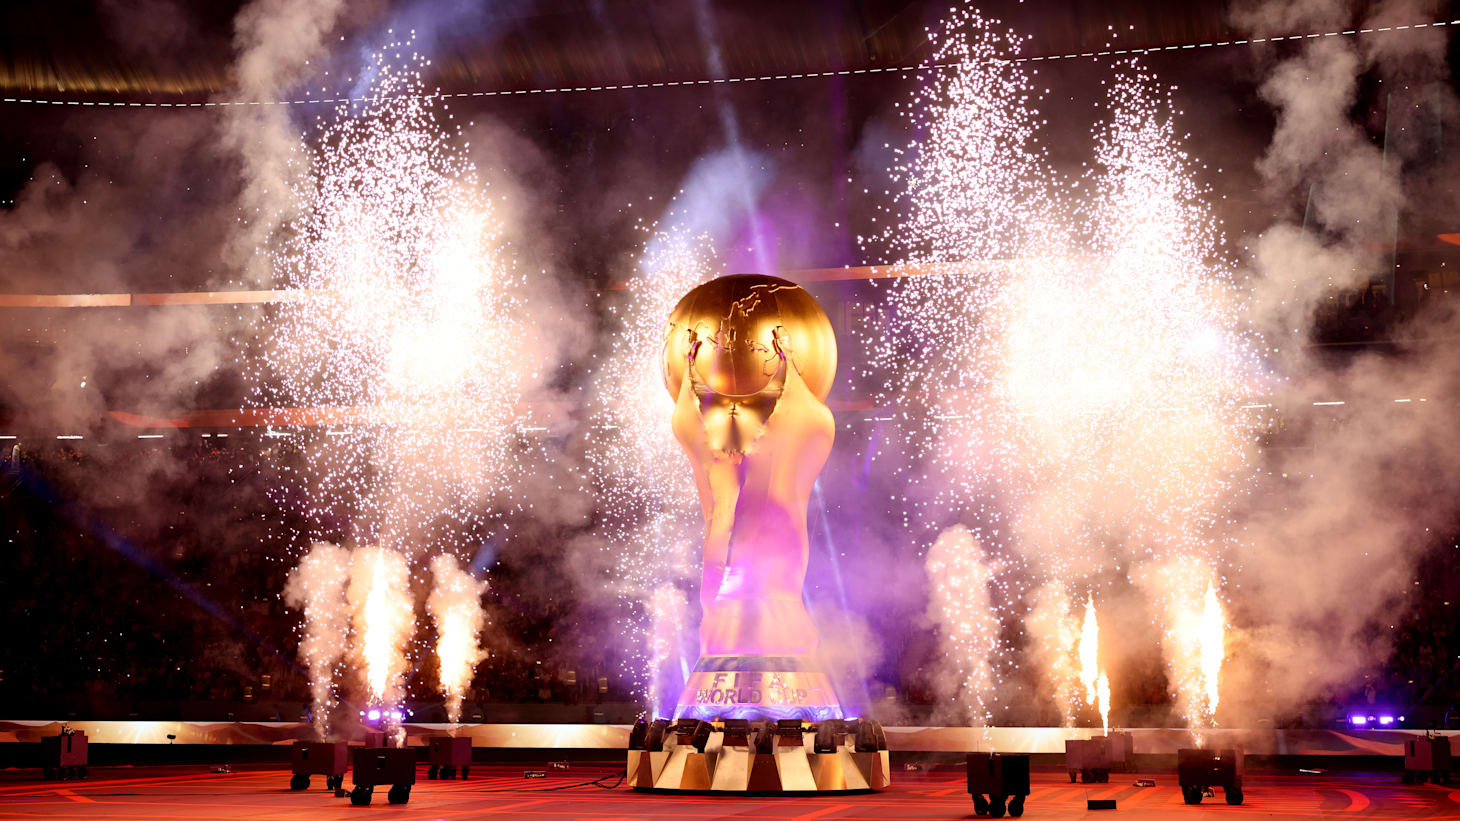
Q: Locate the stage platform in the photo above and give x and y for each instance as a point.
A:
(256, 793)
(900, 740)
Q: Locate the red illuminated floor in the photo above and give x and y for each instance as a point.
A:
(262, 793)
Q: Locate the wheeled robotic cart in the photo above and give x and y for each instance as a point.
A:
(64, 756)
(1427, 758)
(378, 766)
(994, 779)
(1199, 770)
(448, 757)
(327, 758)
(1088, 759)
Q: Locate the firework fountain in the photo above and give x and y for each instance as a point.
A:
(455, 605)
(1065, 363)
(411, 341)
(317, 587)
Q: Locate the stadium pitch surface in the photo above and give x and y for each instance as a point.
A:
(255, 792)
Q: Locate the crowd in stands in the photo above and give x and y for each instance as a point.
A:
(137, 589)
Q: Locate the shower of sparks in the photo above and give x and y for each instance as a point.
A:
(382, 619)
(668, 616)
(413, 323)
(1194, 640)
(455, 605)
(317, 587)
(1102, 700)
(1089, 651)
(1057, 637)
(648, 512)
(1213, 647)
(1069, 381)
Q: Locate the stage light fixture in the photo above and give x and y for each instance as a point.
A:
(829, 734)
(1358, 721)
(693, 732)
(737, 732)
(638, 734)
(1386, 720)
(654, 738)
(765, 738)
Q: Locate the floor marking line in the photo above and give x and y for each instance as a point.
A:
(521, 804)
(1358, 802)
(823, 811)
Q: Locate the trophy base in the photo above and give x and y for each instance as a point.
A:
(758, 687)
(791, 769)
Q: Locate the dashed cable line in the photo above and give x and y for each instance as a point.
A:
(1116, 52)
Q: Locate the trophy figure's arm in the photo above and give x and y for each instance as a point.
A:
(756, 546)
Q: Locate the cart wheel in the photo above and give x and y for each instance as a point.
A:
(431, 772)
(399, 794)
(299, 782)
(360, 796)
(1420, 776)
(1072, 776)
(980, 806)
(1442, 777)
(996, 806)
(1016, 806)
(1191, 794)
(1406, 777)
(84, 773)
(464, 771)
(1233, 794)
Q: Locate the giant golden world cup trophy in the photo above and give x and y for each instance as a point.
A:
(749, 360)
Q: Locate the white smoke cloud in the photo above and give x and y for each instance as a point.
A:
(317, 587)
(274, 42)
(1355, 494)
(455, 605)
(962, 607)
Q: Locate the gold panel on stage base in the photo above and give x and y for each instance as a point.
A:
(790, 768)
